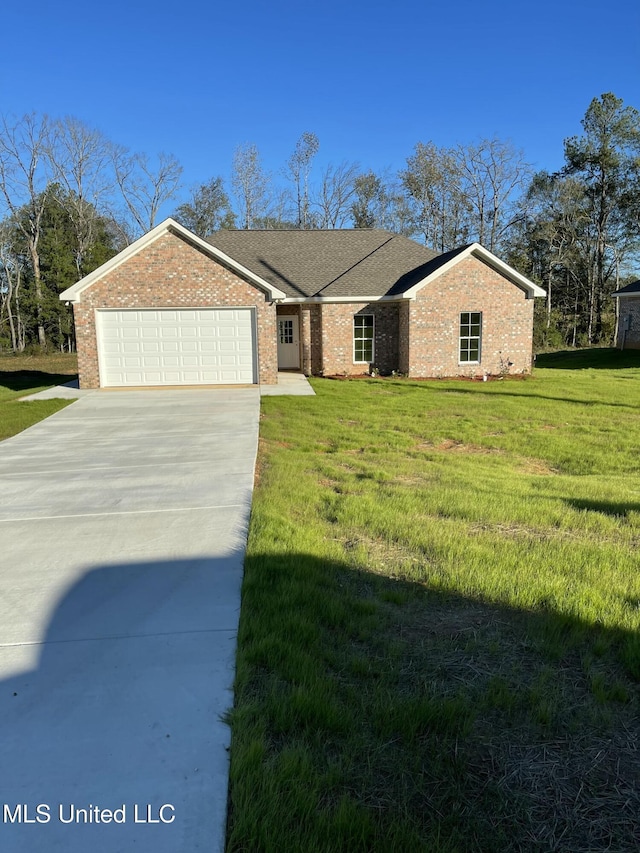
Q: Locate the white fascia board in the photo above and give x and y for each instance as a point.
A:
(73, 293)
(316, 300)
(530, 288)
(617, 295)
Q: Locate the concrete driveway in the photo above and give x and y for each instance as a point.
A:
(123, 523)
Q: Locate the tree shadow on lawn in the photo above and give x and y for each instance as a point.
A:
(432, 721)
(526, 395)
(370, 713)
(598, 358)
(27, 380)
(612, 508)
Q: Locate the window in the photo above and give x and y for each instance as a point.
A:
(363, 338)
(286, 331)
(470, 336)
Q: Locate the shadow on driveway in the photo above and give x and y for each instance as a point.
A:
(119, 707)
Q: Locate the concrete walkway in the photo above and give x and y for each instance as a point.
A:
(290, 384)
(123, 525)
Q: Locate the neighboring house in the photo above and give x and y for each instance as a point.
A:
(628, 327)
(174, 309)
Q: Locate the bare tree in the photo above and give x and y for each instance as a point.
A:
(10, 285)
(432, 182)
(24, 175)
(492, 173)
(606, 160)
(336, 194)
(144, 187)
(80, 160)
(251, 185)
(299, 169)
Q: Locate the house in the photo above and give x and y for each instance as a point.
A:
(174, 309)
(628, 327)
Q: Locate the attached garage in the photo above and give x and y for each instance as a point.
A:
(171, 309)
(206, 346)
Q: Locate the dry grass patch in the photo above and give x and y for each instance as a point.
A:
(55, 363)
(538, 467)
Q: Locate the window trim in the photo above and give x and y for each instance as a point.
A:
(357, 338)
(469, 338)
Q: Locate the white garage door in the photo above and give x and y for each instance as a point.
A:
(176, 347)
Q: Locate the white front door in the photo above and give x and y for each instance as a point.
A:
(288, 343)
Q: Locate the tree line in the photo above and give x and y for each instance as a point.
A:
(70, 199)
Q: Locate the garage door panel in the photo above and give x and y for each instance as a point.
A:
(174, 347)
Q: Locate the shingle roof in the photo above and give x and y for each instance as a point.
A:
(634, 287)
(336, 263)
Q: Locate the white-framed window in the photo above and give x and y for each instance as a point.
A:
(470, 337)
(363, 338)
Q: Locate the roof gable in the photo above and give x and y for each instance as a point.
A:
(448, 260)
(74, 293)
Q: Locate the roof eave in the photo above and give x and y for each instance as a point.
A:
(299, 300)
(74, 293)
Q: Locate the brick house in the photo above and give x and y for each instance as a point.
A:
(628, 326)
(174, 309)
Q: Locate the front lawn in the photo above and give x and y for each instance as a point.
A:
(21, 375)
(439, 645)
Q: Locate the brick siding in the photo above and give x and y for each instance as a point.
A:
(434, 323)
(337, 337)
(629, 307)
(315, 327)
(171, 273)
(420, 337)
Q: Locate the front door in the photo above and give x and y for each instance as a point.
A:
(288, 343)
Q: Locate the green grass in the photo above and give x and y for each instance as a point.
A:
(21, 375)
(439, 645)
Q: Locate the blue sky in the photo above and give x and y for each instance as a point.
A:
(370, 79)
